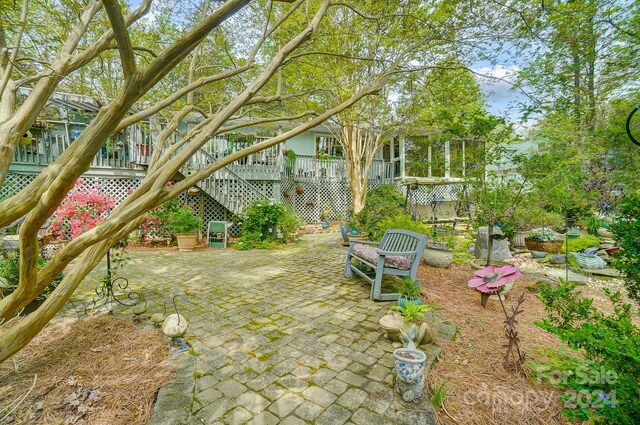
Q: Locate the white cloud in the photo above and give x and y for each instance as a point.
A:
(496, 83)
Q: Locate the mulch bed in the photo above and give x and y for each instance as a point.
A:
(99, 370)
(480, 390)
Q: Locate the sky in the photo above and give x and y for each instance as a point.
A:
(497, 87)
(495, 83)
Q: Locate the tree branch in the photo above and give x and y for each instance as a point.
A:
(6, 76)
(174, 54)
(121, 35)
(156, 107)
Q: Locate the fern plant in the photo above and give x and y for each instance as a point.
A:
(411, 311)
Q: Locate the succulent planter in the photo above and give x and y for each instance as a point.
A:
(299, 190)
(553, 247)
(186, 241)
(438, 257)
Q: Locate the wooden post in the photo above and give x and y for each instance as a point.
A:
(201, 213)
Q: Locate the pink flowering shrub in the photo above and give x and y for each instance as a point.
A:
(82, 209)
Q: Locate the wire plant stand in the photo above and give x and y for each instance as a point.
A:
(111, 292)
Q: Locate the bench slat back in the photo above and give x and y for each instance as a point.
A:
(402, 241)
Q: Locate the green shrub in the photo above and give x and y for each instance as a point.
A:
(593, 224)
(262, 219)
(530, 217)
(626, 229)
(581, 243)
(183, 220)
(402, 221)
(610, 344)
(385, 201)
(10, 272)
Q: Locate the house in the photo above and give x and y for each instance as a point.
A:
(307, 171)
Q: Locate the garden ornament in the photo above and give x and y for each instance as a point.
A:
(175, 325)
(490, 279)
(158, 318)
(410, 363)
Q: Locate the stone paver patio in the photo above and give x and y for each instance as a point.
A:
(277, 336)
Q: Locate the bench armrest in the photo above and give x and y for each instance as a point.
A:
(401, 253)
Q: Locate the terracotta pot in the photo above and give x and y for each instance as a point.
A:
(187, 241)
(553, 247)
(299, 190)
(613, 250)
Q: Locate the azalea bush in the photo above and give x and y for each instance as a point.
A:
(84, 207)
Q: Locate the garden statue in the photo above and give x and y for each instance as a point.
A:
(500, 251)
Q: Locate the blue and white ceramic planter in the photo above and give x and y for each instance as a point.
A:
(410, 370)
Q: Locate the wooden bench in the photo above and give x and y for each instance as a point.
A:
(399, 253)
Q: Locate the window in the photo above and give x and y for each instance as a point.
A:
(330, 145)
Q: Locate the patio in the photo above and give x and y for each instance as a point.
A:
(278, 336)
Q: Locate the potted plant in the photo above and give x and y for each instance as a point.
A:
(184, 225)
(324, 216)
(543, 240)
(439, 252)
(409, 291)
(299, 190)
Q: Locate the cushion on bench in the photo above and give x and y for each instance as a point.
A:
(370, 254)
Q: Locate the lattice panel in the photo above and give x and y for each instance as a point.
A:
(212, 210)
(425, 195)
(15, 183)
(319, 194)
(119, 189)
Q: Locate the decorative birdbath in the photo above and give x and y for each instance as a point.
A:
(493, 280)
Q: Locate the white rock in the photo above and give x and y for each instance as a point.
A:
(175, 325)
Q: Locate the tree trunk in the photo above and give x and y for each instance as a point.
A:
(18, 336)
(8, 133)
